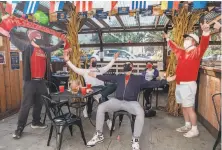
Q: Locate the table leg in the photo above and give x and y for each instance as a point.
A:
(157, 95)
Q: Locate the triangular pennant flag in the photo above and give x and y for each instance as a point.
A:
(31, 7)
(164, 5)
(82, 6)
(176, 5)
(170, 4)
(199, 4)
(10, 6)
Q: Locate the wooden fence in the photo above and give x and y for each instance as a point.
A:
(11, 83)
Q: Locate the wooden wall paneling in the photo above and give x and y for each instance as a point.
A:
(3, 104)
(7, 77)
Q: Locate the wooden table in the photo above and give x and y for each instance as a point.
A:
(70, 96)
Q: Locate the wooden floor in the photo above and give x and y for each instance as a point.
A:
(158, 134)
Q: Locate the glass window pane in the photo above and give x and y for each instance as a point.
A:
(133, 37)
(88, 38)
(137, 53)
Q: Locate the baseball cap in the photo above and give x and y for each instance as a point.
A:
(194, 36)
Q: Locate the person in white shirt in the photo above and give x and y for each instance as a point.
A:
(150, 74)
(107, 90)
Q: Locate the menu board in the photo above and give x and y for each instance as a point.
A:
(14, 60)
(2, 57)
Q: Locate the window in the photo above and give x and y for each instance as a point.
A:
(137, 53)
(133, 37)
(213, 56)
(88, 38)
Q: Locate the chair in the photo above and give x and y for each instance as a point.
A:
(218, 120)
(61, 122)
(121, 113)
(58, 104)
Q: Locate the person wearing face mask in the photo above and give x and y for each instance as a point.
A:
(150, 74)
(188, 63)
(106, 90)
(33, 75)
(128, 88)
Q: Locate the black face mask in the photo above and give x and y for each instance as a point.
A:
(38, 41)
(127, 67)
(94, 64)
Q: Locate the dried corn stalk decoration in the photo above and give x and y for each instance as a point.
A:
(72, 36)
(183, 23)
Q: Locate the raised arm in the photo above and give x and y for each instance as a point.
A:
(205, 38)
(69, 63)
(22, 45)
(53, 48)
(110, 64)
(176, 49)
(77, 70)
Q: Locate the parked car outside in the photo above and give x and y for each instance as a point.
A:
(55, 59)
(123, 56)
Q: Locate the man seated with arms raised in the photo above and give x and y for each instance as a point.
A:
(128, 88)
(107, 90)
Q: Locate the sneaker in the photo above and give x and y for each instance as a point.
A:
(38, 126)
(109, 124)
(183, 129)
(135, 144)
(97, 138)
(85, 113)
(18, 133)
(191, 133)
(97, 97)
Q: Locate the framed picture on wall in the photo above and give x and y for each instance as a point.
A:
(14, 60)
(2, 57)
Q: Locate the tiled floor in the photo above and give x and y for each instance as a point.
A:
(158, 134)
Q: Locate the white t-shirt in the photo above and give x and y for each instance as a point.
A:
(149, 74)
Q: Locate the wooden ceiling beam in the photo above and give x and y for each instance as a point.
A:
(157, 21)
(166, 23)
(122, 30)
(217, 18)
(103, 23)
(138, 20)
(93, 23)
(120, 21)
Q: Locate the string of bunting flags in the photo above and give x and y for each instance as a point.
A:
(103, 9)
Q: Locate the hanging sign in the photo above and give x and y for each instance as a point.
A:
(83, 14)
(123, 10)
(14, 60)
(61, 16)
(147, 12)
(2, 57)
(103, 15)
